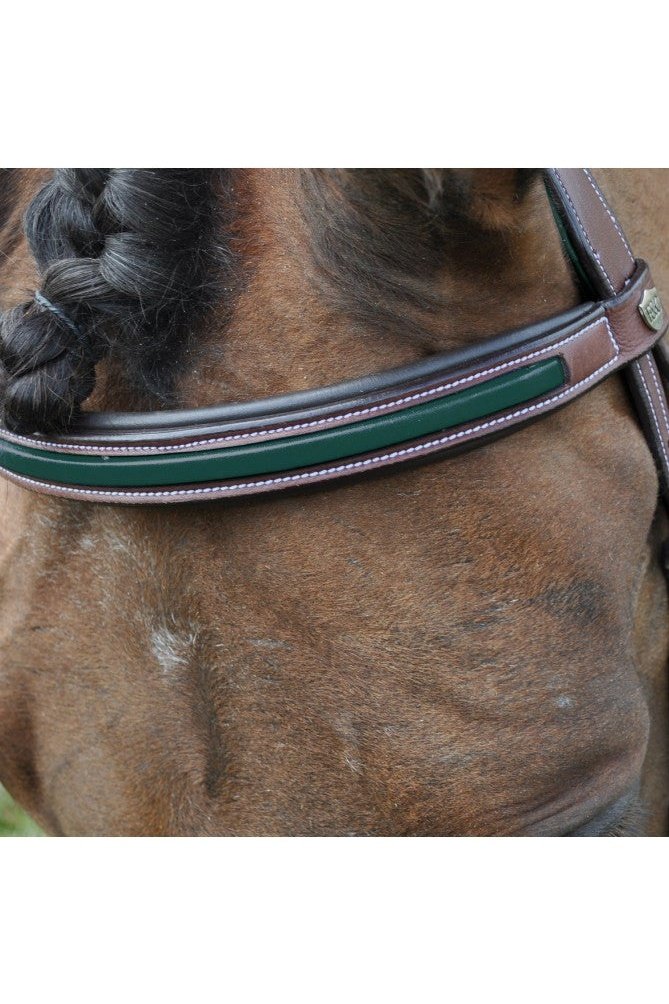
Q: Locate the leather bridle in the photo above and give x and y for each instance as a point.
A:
(451, 402)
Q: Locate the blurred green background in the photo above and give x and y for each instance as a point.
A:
(13, 820)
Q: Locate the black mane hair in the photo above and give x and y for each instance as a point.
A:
(126, 261)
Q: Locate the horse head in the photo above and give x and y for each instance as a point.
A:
(475, 645)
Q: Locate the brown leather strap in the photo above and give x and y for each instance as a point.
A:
(648, 392)
(579, 352)
(593, 229)
(607, 260)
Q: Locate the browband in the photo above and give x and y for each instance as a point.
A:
(450, 402)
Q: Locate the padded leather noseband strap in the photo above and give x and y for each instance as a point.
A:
(449, 403)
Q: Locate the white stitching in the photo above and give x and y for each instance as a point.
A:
(611, 216)
(652, 408)
(260, 433)
(355, 465)
(660, 394)
(585, 232)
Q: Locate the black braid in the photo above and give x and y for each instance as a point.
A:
(122, 255)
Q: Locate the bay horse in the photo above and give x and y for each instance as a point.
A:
(474, 646)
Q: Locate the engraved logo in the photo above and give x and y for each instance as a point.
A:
(651, 309)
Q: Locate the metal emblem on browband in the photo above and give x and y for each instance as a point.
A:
(651, 309)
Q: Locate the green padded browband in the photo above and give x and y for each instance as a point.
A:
(376, 421)
(481, 400)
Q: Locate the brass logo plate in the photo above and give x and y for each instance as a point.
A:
(651, 309)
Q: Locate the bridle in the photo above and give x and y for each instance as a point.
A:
(451, 402)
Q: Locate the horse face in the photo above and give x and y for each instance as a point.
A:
(460, 648)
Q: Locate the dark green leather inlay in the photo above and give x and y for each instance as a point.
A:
(322, 447)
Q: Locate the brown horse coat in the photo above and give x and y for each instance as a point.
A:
(474, 646)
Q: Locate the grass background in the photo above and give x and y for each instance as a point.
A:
(13, 821)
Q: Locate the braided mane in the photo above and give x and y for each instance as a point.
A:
(125, 257)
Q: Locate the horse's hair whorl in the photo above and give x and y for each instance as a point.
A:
(122, 268)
